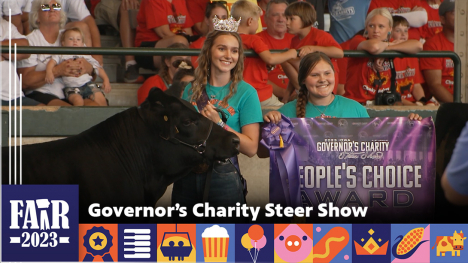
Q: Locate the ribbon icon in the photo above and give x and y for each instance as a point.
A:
(283, 165)
(98, 242)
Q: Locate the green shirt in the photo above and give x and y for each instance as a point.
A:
(340, 107)
(243, 107)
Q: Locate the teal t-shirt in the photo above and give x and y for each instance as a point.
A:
(243, 108)
(340, 107)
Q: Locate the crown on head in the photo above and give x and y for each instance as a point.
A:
(229, 25)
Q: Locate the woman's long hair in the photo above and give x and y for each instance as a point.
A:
(202, 73)
(307, 64)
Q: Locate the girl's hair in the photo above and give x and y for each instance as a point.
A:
(380, 11)
(177, 88)
(74, 29)
(164, 70)
(307, 64)
(304, 10)
(213, 5)
(182, 72)
(36, 8)
(202, 73)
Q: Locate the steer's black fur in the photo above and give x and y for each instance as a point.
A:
(125, 160)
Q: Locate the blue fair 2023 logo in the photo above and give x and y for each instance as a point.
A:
(40, 222)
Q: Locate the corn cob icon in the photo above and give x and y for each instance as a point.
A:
(407, 245)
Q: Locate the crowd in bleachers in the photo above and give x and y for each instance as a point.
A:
(297, 27)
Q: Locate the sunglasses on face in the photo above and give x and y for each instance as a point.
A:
(47, 7)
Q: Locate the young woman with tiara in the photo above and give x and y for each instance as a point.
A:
(218, 86)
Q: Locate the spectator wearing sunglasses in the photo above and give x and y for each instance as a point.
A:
(163, 79)
(19, 13)
(161, 23)
(47, 18)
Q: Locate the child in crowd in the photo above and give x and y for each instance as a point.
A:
(79, 88)
(255, 69)
(300, 18)
(369, 80)
(163, 79)
(213, 9)
(408, 75)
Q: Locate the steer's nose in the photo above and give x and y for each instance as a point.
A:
(236, 142)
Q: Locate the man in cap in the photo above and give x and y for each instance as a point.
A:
(438, 72)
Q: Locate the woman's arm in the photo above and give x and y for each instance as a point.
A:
(373, 46)
(409, 46)
(163, 31)
(332, 52)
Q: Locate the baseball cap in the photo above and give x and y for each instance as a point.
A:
(446, 6)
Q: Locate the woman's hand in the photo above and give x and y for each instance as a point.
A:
(272, 116)
(414, 117)
(73, 68)
(209, 111)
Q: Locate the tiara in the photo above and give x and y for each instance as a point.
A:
(229, 25)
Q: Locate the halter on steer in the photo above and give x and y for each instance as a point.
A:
(199, 148)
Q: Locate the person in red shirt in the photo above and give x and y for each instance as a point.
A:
(300, 18)
(277, 37)
(438, 72)
(213, 9)
(433, 25)
(163, 79)
(161, 23)
(367, 76)
(196, 9)
(409, 9)
(408, 77)
(255, 69)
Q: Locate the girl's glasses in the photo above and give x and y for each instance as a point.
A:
(46, 7)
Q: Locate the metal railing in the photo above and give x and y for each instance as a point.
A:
(136, 51)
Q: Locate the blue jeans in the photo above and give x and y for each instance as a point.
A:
(226, 190)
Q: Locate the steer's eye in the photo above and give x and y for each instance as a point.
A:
(186, 122)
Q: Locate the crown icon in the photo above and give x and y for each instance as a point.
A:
(371, 247)
(229, 25)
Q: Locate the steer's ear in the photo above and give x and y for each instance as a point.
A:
(157, 112)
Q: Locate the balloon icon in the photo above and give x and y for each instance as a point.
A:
(246, 242)
(255, 232)
(260, 243)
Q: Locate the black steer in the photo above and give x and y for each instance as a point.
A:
(130, 158)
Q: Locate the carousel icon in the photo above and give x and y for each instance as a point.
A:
(98, 242)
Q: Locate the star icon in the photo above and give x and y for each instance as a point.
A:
(98, 241)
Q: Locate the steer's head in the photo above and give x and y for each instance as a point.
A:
(178, 122)
(458, 240)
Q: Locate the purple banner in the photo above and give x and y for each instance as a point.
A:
(385, 164)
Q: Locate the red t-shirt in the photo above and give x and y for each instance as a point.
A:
(433, 25)
(440, 43)
(255, 70)
(343, 62)
(154, 81)
(398, 7)
(407, 75)
(317, 37)
(197, 45)
(277, 75)
(156, 13)
(362, 80)
(196, 9)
